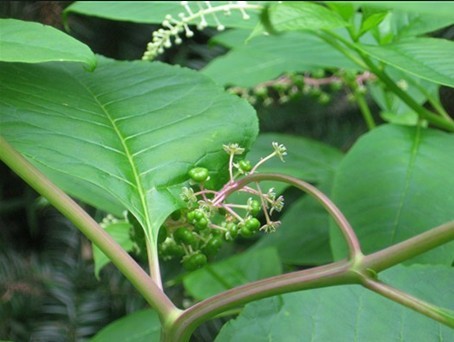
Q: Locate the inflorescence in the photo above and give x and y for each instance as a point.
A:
(174, 28)
(198, 232)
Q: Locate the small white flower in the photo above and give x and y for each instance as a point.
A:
(280, 150)
(233, 149)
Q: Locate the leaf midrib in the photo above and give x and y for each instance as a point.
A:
(129, 157)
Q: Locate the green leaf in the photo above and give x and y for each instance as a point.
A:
(124, 136)
(427, 58)
(345, 10)
(407, 24)
(29, 42)
(394, 183)
(308, 159)
(371, 21)
(154, 12)
(231, 38)
(296, 16)
(237, 270)
(349, 313)
(140, 326)
(267, 57)
(442, 9)
(394, 110)
(120, 233)
(303, 237)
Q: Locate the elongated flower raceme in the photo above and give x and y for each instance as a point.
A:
(195, 13)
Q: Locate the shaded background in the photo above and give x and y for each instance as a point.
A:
(48, 291)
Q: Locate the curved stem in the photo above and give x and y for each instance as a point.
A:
(90, 228)
(339, 218)
(333, 274)
(409, 301)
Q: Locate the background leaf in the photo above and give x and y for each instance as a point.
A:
(29, 42)
(237, 270)
(154, 12)
(349, 313)
(120, 233)
(443, 9)
(393, 109)
(394, 183)
(124, 136)
(265, 58)
(296, 16)
(140, 326)
(428, 58)
(303, 237)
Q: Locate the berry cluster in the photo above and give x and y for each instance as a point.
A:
(291, 86)
(198, 232)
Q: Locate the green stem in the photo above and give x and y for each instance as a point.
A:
(434, 119)
(410, 248)
(327, 37)
(343, 224)
(153, 263)
(90, 228)
(365, 111)
(409, 301)
(329, 275)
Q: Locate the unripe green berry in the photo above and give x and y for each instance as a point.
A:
(254, 207)
(183, 235)
(212, 246)
(246, 232)
(202, 223)
(245, 165)
(232, 231)
(252, 224)
(198, 174)
(194, 261)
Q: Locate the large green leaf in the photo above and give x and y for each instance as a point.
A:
(440, 9)
(407, 24)
(237, 270)
(125, 135)
(28, 42)
(266, 57)
(394, 183)
(349, 313)
(154, 12)
(140, 326)
(299, 15)
(427, 58)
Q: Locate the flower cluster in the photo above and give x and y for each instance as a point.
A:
(201, 16)
(200, 230)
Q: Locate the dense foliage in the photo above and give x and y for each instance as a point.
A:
(168, 161)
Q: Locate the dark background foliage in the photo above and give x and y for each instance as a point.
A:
(48, 291)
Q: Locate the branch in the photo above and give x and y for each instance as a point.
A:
(90, 228)
(347, 231)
